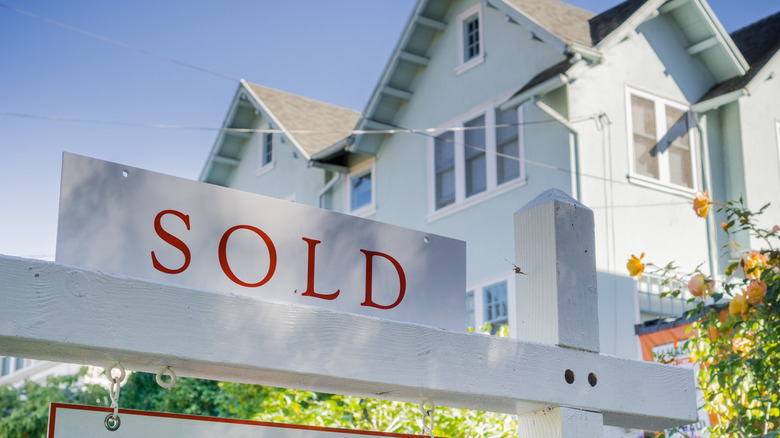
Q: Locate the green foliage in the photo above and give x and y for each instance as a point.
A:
(25, 411)
(739, 346)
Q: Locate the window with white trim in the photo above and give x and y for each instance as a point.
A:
(471, 49)
(268, 149)
(661, 147)
(361, 189)
(488, 304)
(6, 369)
(476, 157)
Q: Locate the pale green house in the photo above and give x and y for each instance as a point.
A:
(483, 105)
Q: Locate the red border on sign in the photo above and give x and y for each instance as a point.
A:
(54, 406)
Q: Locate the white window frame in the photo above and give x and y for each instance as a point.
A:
(477, 290)
(463, 17)
(368, 166)
(493, 188)
(261, 166)
(663, 182)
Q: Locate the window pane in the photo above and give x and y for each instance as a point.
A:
(507, 146)
(360, 187)
(19, 363)
(268, 150)
(444, 163)
(471, 38)
(679, 150)
(645, 151)
(6, 366)
(474, 150)
(496, 305)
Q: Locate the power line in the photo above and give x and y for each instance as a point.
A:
(119, 43)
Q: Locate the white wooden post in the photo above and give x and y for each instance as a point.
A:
(557, 301)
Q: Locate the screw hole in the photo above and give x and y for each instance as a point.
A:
(125, 173)
(569, 376)
(592, 379)
(425, 239)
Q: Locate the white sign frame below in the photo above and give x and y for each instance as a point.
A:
(79, 421)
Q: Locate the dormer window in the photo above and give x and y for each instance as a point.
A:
(471, 49)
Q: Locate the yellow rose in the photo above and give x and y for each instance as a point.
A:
(698, 286)
(755, 292)
(754, 265)
(701, 204)
(635, 266)
(738, 306)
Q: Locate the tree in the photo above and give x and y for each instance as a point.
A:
(25, 410)
(738, 345)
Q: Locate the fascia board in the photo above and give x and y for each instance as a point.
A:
(529, 23)
(220, 137)
(333, 149)
(723, 37)
(270, 116)
(718, 101)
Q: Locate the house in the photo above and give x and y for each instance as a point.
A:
(485, 104)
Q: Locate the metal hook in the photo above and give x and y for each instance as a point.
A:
(170, 384)
(428, 416)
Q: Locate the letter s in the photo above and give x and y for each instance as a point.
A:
(172, 240)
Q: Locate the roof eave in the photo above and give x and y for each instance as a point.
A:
(208, 167)
(543, 88)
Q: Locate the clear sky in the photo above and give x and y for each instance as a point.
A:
(332, 51)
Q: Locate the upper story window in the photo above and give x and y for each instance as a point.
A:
(475, 158)
(265, 158)
(661, 142)
(471, 49)
(6, 368)
(361, 189)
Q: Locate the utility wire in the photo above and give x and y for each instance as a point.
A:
(119, 43)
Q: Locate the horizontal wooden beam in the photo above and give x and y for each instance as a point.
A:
(230, 161)
(413, 57)
(702, 45)
(430, 22)
(396, 92)
(55, 312)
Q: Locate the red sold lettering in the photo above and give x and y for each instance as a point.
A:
(310, 275)
(223, 262)
(171, 240)
(369, 302)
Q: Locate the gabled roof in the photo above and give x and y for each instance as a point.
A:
(310, 125)
(567, 22)
(758, 43)
(604, 23)
(326, 124)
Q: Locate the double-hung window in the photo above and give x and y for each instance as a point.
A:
(361, 189)
(471, 50)
(661, 146)
(475, 158)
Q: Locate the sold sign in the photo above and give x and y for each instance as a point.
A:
(129, 221)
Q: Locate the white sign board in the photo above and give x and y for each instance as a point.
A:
(133, 222)
(76, 421)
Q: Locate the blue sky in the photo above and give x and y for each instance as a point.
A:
(332, 51)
